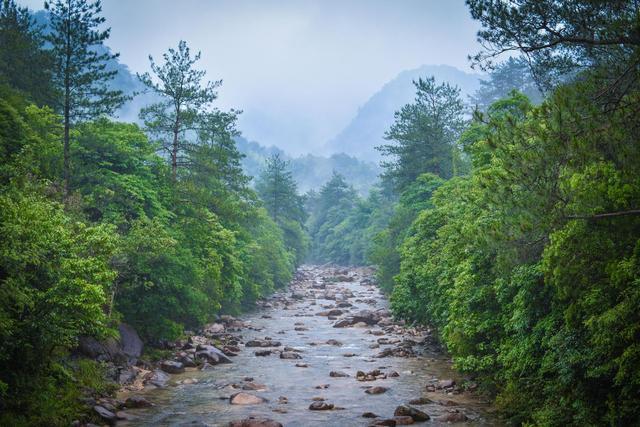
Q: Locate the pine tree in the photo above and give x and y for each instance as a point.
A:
(80, 66)
(184, 101)
(24, 63)
(279, 191)
(424, 134)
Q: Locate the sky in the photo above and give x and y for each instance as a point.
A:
(299, 69)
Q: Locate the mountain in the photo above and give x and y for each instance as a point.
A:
(366, 131)
(310, 171)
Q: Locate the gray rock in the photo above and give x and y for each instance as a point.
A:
(172, 367)
(105, 414)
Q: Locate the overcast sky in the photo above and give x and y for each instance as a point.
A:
(298, 68)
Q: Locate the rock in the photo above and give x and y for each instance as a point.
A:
(255, 422)
(393, 374)
(387, 422)
(172, 367)
(343, 323)
(263, 353)
(321, 406)
(137, 402)
(214, 329)
(105, 414)
(211, 354)
(158, 378)
(416, 414)
(301, 365)
(348, 354)
(290, 355)
(127, 375)
(445, 384)
(334, 342)
(376, 390)
(333, 312)
(187, 361)
(403, 420)
(338, 374)
(263, 343)
(453, 417)
(130, 343)
(254, 386)
(243, 398)
(369, 415)
(420, 401)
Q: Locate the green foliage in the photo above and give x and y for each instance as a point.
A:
(80, 74)
(423, 135)
(279, 194)
(522, 278)
(54, 275)
(24, 63)
(184, 101)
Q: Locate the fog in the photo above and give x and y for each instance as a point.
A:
(298, 69)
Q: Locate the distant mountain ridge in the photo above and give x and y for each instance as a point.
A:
(366, 131)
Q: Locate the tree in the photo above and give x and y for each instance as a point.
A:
(279, 191)
(80, 66)
(184, 100)
(24, 63)
(512, 74)
(424, 134)
(561, 38)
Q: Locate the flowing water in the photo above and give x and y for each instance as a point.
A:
(206, 402)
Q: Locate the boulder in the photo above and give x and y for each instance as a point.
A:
(262, 343)
(409, 411)
(105, 414)
(212, 354)
(403, 420)
(172, 367)
(421, 401)
(321, 406)
(290, 355)
(137, 402)
(376, 390)
(243, 398)
(338, 374)
(130, 342)
(158, 378)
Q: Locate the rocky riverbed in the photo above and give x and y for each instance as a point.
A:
(325, 352)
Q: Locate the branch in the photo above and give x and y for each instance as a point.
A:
(606, 215)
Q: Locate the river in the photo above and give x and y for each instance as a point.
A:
(290, 386)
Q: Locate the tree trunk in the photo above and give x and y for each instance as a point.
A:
(66, 160)
(174, 150)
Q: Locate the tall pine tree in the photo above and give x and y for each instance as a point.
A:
(423, 137)
(80, 66)
(184, 100)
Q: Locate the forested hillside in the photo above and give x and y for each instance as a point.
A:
(103, 221)
(516, 234)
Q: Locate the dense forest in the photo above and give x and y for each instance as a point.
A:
(511, 227)
(516, 233)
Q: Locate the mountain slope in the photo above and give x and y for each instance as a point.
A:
(366, 130)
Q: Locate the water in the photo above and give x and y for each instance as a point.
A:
(207, 401)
